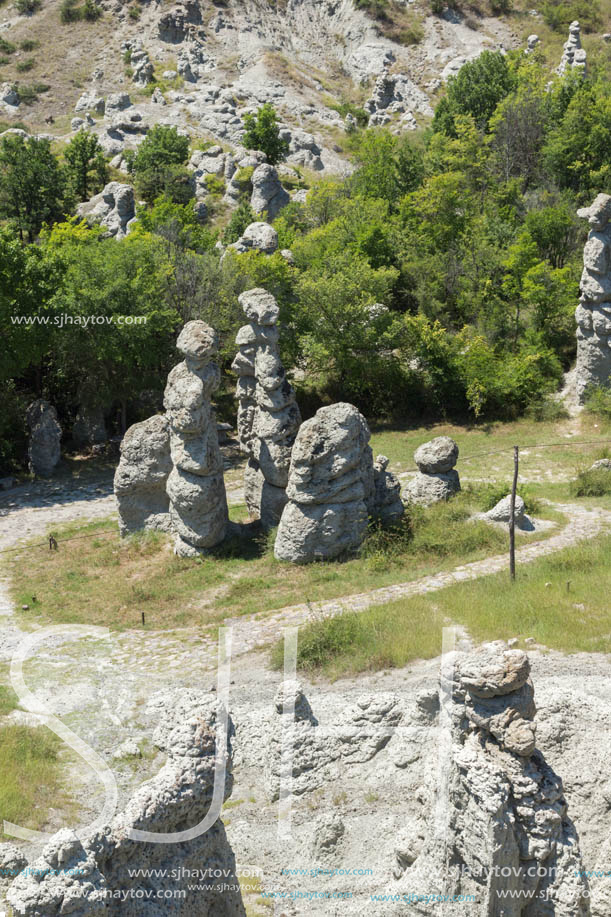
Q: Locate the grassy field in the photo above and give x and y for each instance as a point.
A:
(552, 601)
(30, 775)
(98, 578)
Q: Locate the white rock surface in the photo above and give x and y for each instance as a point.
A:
(141, 477)
(593, 314)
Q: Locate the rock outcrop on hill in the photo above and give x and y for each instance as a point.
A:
(44, 450)
(437, 479)
(141, 477)
(593, 313)
(114, 208)
(573, 56)
(268, 415)
(330, 487)
(91, 877)
(195, 486)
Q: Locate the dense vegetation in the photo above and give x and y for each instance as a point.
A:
(439, 279)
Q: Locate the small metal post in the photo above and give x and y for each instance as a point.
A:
(512, 514)
(143, 622)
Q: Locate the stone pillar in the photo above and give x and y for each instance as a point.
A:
(195, 486)
(593, 313)
(141, 477)
(45, 434)
(331, 487)
(268, 415)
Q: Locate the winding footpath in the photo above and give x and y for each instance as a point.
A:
(185, 653)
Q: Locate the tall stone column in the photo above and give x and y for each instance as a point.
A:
(593, 313)
(195, 486)
(268, 415)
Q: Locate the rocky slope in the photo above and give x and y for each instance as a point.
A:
(202, 65)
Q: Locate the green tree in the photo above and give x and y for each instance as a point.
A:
(31, 184)
(476, 90)
(578, 150)
(241, 217)
(263, 133)
(85, 164)
(388, 166)
(159, 165)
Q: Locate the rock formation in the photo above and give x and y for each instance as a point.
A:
(366, 728)
(45, 434)
(195, 486)
(437, 479)
(257, 237)
(502, 511)
(89, 428)
(92, 877)
(114, 208)
(268, 195)
(141, 477)
(574, 56)
(532, 44)
(330, 488)
(500, 821)
(268, 415)
(387, 503)
(593, 313)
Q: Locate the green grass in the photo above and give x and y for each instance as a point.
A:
(8, 700)
(30, 773)
(553, 600)
(98, 578)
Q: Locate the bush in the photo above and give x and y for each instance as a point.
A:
(437, 7)
(24, 66)
(263, 133)
(558, 14)
(241, 217)
(547, 410)
(69, 11)
(598, 401)
(28, 94)
(135, 12)
(6, 47)
(488, 495)
(27, 7)
(29, 45)
(592, 483)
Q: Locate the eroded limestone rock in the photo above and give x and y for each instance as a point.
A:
(330, 489)
(114, 208)
(500, 811)
(593, 313)
(268, 415)
(45, 434)
(141, 477)
(268, 195)
(387, 505)
(83, 877)
(437, 479)
(195, 486)
(573, 56)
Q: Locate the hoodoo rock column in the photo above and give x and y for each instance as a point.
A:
(196, 488)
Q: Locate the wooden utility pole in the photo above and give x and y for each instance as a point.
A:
(512, 514)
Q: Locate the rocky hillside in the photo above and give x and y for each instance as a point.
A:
(201, 65)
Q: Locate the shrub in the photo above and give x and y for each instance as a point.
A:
(135, 12)
(24, 66)
(437, 7)
(546, 410)
(28, 94)
(598, 401)
(69, 11)
(6, 47)
(241, 217)
(558, 14)
(215, 185)
(27, 7)
(29, 45)
(263, 133)
(595, 482)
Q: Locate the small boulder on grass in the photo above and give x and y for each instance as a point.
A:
(502, 511)
(603, 464)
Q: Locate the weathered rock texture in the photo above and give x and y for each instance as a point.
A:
(268, 415)
(114, 208)
(502, 511)
(387, 505)
(331, 487)
(258, 237)
(500, 821)
(593, 313)
(45, 434)
(141, 477)
(437, 479)
(195, 486)
(178, 797)
(573, 56)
